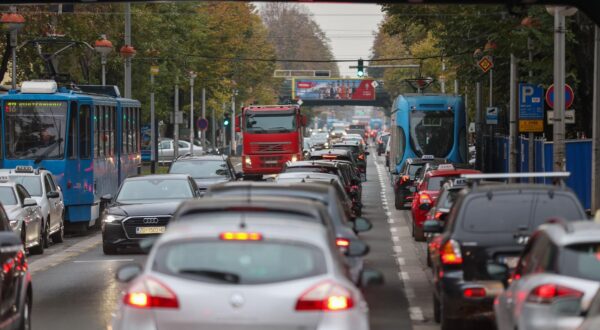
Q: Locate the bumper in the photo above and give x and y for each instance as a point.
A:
(451, 288)
(535, 316)
(266, 164)
(114, 235)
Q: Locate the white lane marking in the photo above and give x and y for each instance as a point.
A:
(410, 293)
(390, 220)
(102, 260)
(396, 239)
(393, 229)
(416, 314)
(389, 214)
(397, 249)
(404, 276)
(401, 261)
(60, 257)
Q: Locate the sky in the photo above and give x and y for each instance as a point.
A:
(350, 29)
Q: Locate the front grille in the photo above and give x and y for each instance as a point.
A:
(129, 224)
(271, 161)
(269, 147)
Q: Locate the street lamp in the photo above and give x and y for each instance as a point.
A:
(127, 52)
(104, 47)
(13, 22)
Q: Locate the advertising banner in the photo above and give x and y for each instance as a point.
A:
(333, 89)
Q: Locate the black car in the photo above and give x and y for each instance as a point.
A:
(15, 280)
(486, 232)
(382, 142)
(206, 170)
(411, 168)
(142, 208)
(359, 153)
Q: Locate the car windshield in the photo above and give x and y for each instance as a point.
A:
(7, 196)
(35, 129)
(240, 262)
(135, 191)
(320, 136)
(580, 261)
(432, 132)
(281, 122)
(201, 169)
(33, 184)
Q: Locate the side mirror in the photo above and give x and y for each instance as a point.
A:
(238, 124)
(362, 225)
(433, 227)
(357, 248)
(370, 277)
(128, 272)
(425, 207)
(52, 194)
(498, 272)
(106, 198)
(147, 243)
(29, 202)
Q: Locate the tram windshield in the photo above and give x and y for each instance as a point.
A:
(432, 132)
(35, 129)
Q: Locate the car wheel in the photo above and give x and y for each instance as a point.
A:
(59, 236)
(428, 256)
(46, 238)
(25, 323)
(412, 231)
(436, 310)
(109, 249)
(399, 201)
(39, 247)
(419, 235)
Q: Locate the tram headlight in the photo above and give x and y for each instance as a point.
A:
(113, 218)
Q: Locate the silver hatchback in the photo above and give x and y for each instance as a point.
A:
(243, 271)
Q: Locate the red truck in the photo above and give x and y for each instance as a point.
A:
(272, 136)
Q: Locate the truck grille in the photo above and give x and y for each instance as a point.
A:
(271, 161)
(129, 224)
(269, 147)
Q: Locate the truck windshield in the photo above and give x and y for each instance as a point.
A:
(270, 123)
(35, 129)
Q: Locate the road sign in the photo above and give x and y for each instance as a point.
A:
(491, 116)
(485, 64)
(374, 84)
(202, 124)
(531, 108)
(569, 117)
(569, 96)
(154, 70)
(299, 102)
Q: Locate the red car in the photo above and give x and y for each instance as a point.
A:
(427, 192)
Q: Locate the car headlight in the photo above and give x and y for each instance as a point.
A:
(294, 158)
(248, 161)
(113, 218)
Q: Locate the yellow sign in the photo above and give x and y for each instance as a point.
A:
(531, 126)
(485, 64)
(154, 70)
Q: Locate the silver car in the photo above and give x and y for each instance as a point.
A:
(242, 271)
(41, 186)
(166, 150)
(24, 214)
(555, 279)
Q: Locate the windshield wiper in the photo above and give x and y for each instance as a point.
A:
(213, 274)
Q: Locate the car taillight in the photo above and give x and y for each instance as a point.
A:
(361, 157)
(474, 292)
(450, 253)
(424, 198)
(150, 293)
(326, 296)
(546, 293)
(404, 178)
(342, 243)
(240, 236)
(438, 215)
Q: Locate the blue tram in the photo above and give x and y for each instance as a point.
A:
(89, 140)
(428, 124)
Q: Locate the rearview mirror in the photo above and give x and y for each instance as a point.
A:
(106, 198)
(52, 194)
(357, 248)
(433, 226)
(128, 272)
(370, 277)
(362, 225)
(29, 202)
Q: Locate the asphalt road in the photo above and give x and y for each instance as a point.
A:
(74, 285)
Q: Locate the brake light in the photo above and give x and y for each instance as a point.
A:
(150, 293)
(342, 242)
(240, 236)
(450, 253)
(326, 296)
(405, 178)
(329, 157)
(546, 293)
(361, 157)
(438, 215)
(424, 198)
(474, 292)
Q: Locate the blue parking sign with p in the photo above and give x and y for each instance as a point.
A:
(531, 102)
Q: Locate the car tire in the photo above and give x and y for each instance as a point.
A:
(436, 310)
(399, 201)
(412, 229)
(39, 248)
(109, 249)
(419, 234)
(447, 323)
(25, 321)
(46, 234)
(428, 256)
(59, 236)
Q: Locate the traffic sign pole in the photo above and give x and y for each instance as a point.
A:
(513, 131)
(558, 139)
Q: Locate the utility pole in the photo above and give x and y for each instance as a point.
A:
(176, 120)
(203, 133)
(512, 141)
(559, 161)
(192, 135)
(213, 128)
(479, 119)
(491, 87)
(128, 42)
(232, 144)
(444, 75)
(153, 140)
(596, 125)
(531, 137)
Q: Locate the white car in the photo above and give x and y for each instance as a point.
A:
(41, 186)
(166, 150)
(24, 214)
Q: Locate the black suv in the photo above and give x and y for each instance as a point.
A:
(486, 232)
(406, 179)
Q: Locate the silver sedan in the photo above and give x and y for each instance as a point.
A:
(243, 272)
(24, 214)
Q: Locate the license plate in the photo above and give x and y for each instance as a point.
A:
(149, 230)
(510, 262)
(271, 162)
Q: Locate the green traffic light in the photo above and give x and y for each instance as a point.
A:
(360, 69)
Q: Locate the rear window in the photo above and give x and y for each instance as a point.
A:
(239, 262)
(503, 213)
(560, 205)
(436, 182)
(581, 261)
(413, 168)
(328, 170)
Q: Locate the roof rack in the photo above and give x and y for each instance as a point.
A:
(560, 176)
(567, 226)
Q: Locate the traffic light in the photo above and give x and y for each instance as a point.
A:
(226, 120)
(360, 69)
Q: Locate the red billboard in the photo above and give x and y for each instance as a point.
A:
(333, 89)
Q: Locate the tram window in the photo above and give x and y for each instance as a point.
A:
(130, 123)
(85, 132)
(124, 132)
(96, 131)
(101, 132)
(111, 134)
(401, 144)
(72, 142)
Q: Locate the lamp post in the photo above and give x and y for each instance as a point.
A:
(153, 140)
(127, 52)
(103, 46)
(193, 76)
(13, 22)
